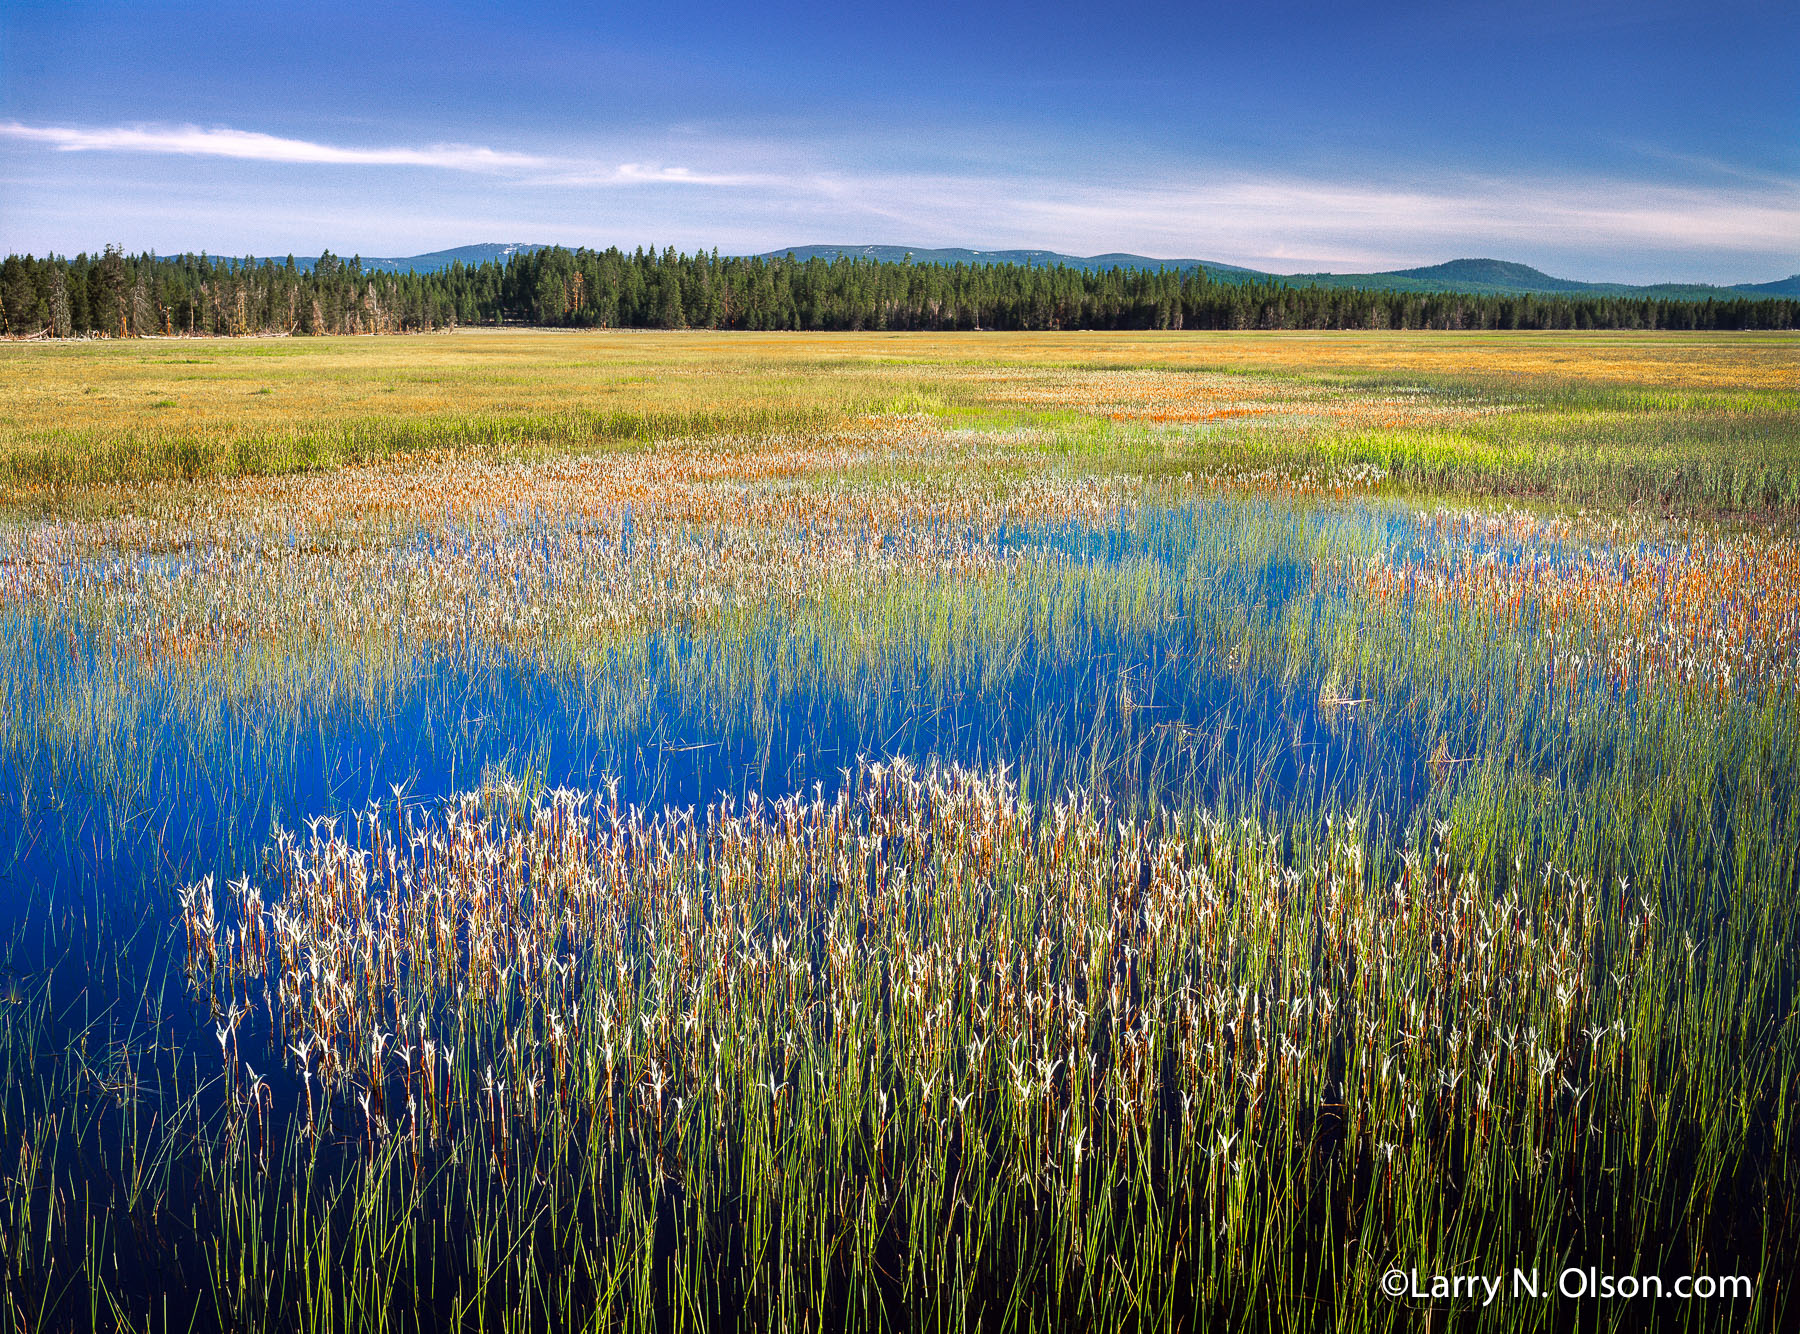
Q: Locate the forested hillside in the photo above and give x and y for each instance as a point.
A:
(119, 295)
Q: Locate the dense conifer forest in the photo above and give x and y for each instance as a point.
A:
(118, 295)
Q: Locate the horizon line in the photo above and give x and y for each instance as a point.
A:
(848, 249)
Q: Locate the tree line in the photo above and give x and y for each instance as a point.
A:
(113, 294)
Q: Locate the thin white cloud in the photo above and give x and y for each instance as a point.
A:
(580, 174)
(249, 145)
(253, 146)
(638, 173)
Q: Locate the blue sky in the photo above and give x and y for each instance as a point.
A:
(1631, 142)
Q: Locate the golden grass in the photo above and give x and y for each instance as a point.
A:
(220, 384)
(76, 417)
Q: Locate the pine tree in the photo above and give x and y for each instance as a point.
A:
(61, 322)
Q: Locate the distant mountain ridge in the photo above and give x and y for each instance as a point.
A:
(1486, 277)
(1482, 276)
(432, 261)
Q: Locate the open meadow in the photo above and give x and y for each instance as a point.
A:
(521, 830)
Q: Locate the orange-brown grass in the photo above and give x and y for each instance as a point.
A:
(1705, 608)
(528, 553)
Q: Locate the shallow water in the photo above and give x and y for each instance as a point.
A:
(1132, 700)
(1129, 685)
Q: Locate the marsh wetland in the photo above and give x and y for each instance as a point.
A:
(534, 830)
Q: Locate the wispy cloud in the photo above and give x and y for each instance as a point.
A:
(250, 145)
(744, 194)
(636, 173)
(576, 173)
(254, 146)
